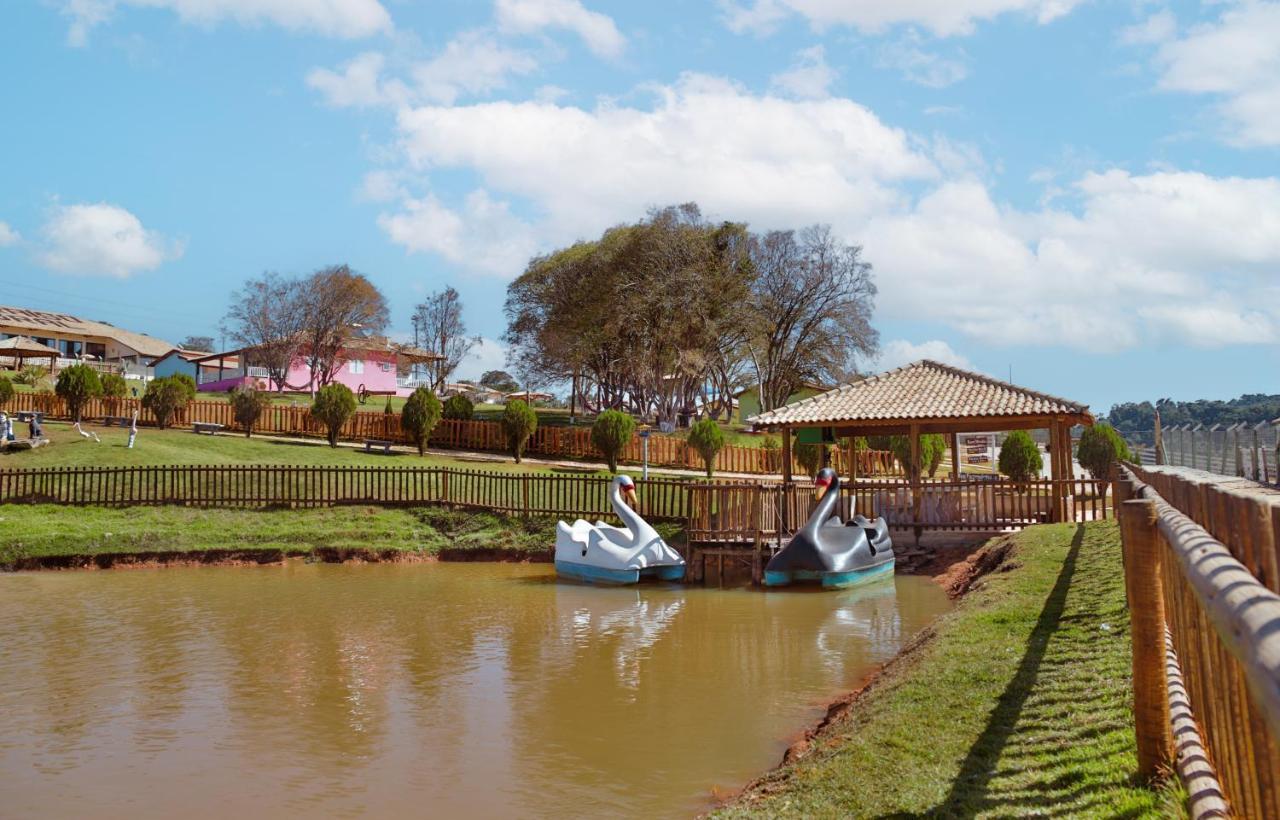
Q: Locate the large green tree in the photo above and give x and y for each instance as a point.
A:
(333, 405)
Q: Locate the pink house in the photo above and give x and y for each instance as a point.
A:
(371, 365)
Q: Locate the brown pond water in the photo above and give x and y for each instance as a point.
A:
(391, 690)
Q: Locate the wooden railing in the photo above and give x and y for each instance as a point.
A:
(524, 494)
(1201, 574)
(553, 442)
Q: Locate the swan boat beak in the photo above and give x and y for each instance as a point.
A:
(820, 488)
(630, 497)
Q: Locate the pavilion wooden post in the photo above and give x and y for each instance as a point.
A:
(787, 488)
(914, 472)
(955, 458)
(1055, 471)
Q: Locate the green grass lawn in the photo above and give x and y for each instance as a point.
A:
(42, 531)
(1020, 706)
(181, 446)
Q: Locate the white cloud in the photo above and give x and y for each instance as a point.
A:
(1120, 270)
(473, 63)
(919, 66)
(1236, 58)
(333, 18)
(103, 239)
(490, 354)
(1112, 260)
(767, 159)
(1157, 28)
(8, 236)
(809, 77)
(942, 17)
(898, 352)
(483, 235)
(597, 30)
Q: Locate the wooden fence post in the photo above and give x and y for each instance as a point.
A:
(1147, 629)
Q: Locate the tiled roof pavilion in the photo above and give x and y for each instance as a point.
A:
(931, 396)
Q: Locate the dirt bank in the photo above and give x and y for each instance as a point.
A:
(264, 557)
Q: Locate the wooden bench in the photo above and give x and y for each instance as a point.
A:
(371, 443)
(112, 421)
(209, 427)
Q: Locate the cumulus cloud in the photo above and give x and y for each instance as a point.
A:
(8, 236)
(587, 168)
(332, 18)
(898, 352)
(1112, 260)
(490, 354)
(597, 31)
(1156, 28)
(482, 234)
(473, 63)
(809, 77)
(102, 240)
(1237, 59)
(941, 17)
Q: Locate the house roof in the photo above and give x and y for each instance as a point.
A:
(185, 355)
(921, 391)
(40, 322)
(23, 346)
(801, 386)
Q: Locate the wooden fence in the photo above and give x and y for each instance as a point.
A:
(524, 494)
(552, 442)
(1202, 576)
(1242, 450)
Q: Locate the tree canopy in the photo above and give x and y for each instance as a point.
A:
(676, 312)
(333, 405)
(419, 417)
(611, 432)
(76, 385)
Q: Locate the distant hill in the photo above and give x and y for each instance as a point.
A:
(1139, 418)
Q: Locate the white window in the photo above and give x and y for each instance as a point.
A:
(355, 366)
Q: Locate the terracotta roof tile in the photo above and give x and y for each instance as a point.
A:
(919, 391)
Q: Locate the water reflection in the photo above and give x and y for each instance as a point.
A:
(387, 690)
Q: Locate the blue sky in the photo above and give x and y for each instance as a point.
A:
(1083, 194)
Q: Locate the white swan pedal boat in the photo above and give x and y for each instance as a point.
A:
(601, 553)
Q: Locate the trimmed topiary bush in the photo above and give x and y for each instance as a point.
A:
(1020, 457)
(114, 389)
(518, 422)
(247, 406)
(459, 408)
(706, 437)
(810, 457)
(420, 416)
(772, 449)
(1101, 449)
(78, 384)
(6, 390)
(611, 433)
(932, 448)
(333, 405)
(166, 396)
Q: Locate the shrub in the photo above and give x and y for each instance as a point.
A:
(114, 389)
(459, 408)
(1020, 457)
(31, 375)
(247, 406)
(932, 448)
(810, 457)
(420, 415)
(386, 408)
(707, 438)
(333, 405)
(165, 396)
(772, 453)
(78, 384)
(611, 432)
(6, 390)
(1101, 448)
(518, 422)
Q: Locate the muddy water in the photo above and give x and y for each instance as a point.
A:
(481, 690)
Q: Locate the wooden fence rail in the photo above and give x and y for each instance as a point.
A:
(521, 494)
(553, 442)
(1207, 675)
